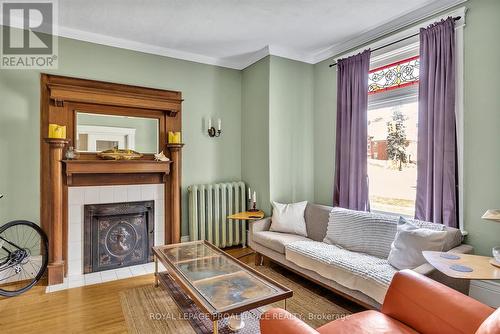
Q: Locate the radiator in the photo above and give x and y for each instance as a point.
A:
(209, 205)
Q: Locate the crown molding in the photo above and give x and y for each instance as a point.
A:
(237, 62)
(240, 62)
(390, 27)
(291, 54)
(248, 59)
(140, 47)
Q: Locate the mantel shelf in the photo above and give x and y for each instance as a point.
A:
(73, 168)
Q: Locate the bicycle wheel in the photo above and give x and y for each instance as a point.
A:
(23, 256)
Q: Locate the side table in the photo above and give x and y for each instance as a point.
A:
(246, 216)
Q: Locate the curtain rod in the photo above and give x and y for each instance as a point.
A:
(399, 40)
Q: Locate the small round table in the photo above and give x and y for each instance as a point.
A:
(466, 266)
(246, 216)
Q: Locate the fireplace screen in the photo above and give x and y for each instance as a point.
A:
(118, 235)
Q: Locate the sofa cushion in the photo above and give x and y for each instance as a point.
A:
(276, 240)
(289, 218)
(366, 273)
(453, 238)
(410, 242)
(317, 217)
(366, 232)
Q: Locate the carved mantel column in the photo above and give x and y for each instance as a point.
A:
(175, 184)
(56, 263)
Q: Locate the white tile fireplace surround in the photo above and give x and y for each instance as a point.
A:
(80, 196)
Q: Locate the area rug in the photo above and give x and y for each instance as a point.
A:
(167, 309)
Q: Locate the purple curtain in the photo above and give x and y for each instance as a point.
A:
(437, 152)
(351, 179)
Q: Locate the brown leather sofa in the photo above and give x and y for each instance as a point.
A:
(413, 304)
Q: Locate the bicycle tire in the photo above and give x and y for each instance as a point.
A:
(45, 256)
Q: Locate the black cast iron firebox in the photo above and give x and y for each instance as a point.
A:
(117, 235)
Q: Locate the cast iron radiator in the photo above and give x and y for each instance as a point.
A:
(209, 205)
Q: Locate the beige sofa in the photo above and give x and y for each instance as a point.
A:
(358, 276)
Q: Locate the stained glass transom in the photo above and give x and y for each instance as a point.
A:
(396, 75)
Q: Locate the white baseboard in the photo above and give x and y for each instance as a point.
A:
(487, 292)
(185, 238)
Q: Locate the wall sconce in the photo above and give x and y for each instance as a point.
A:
(211, 130)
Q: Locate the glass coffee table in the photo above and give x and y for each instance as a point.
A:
(220, 285)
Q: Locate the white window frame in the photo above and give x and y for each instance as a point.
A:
(459, 83)
(410, 96)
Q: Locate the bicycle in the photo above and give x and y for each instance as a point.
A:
(23, 256)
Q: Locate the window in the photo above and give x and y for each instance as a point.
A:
(392, 136)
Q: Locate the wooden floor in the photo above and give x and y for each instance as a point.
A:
(87, 309)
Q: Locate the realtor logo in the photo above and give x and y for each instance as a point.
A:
(28, 37)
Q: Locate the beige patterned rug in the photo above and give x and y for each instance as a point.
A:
(154, 310)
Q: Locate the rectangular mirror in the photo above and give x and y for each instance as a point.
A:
(97, 132)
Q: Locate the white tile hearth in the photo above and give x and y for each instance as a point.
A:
(123, 273)
(80, 196)
(109, 275)
(92, 278)
(74, 281)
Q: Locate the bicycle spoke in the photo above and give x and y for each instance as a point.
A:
(6, 278)
(32, 239)
(23, 257)
(35, 270)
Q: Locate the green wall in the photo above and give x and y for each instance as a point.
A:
(207, 91)
(277, 130)
(481, 122)
(291, 131)
(324, 121)
(255, 131)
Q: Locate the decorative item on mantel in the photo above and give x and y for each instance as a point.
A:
(71, 153)
(211, 130)
(161, 157)
(494, 215)
(119, 154)
(57, 131)
(174, 137)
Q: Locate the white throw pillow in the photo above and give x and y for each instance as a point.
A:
(289, 218)
(410, 241)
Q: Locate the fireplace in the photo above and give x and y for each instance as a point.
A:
(117, 235)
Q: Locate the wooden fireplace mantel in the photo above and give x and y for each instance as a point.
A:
(113, 172)
(60, 100)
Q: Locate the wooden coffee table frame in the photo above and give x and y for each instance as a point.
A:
(204, 304)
